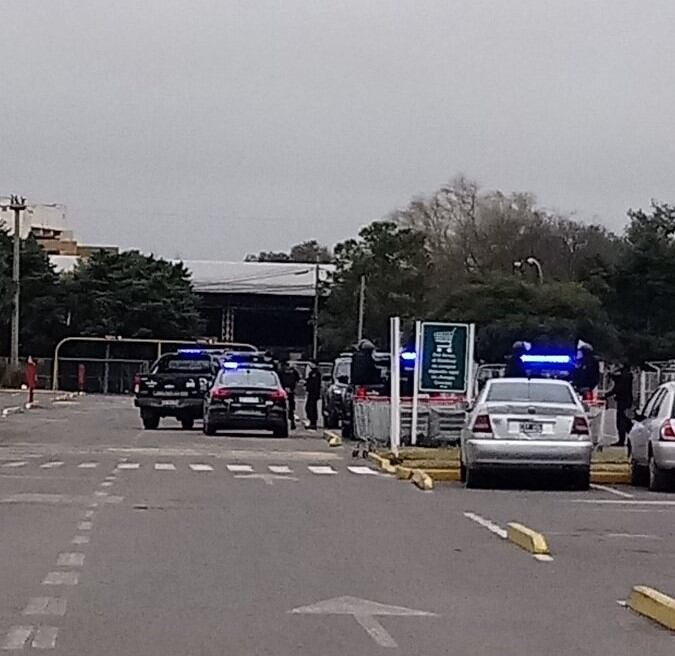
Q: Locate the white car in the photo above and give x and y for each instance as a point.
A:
(651, 441)
(520, 423)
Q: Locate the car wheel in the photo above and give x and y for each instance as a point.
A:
(281, 431)
(462, 472)
(347, 431)
(582, 479)
(658, 478)
(150, 420)
(474, 479)
(187, 423)
(208, 428)
(638, 474)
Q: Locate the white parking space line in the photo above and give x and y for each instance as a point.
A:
(280, 469)
(80, 539)
(45, 606)
(52, 464)
(611, 490)
(200, 468)
(239, 469)
(45, 637)
(106, 484)
(84, 526)
(362, 470)
(88, 514)
(70, 559)
(16, 637)
(321, 469)
(543, 558)
(622, 502)
(164, 466)
(87, 465)
(486, 523)
(128, 465)
(61, 578)
(17, 463)
(638, 536)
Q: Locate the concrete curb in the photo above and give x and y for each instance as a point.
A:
(14, 410)
(382, 463)
(653, 604)
(527, 539)
(422, 480)
(607, 477)
(332, 438)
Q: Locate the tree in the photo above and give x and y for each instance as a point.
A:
(306, 252)
(640, 292)
(41, 317)
(397, 268)
(132, 295)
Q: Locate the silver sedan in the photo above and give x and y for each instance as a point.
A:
(651, 442)
(519, 423)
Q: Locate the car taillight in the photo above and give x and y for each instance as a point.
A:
(137, 384)
(668, 430)
(277, 395)
(361, 392)
(482, 424)
(580, 426)
(221, 393)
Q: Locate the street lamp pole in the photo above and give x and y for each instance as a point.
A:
(362, 307)
(315, 315)
(17, 204)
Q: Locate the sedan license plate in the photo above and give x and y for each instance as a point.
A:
(170, 402)
(531, 427)
(249, 399)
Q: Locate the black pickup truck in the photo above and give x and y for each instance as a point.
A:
(175, 387)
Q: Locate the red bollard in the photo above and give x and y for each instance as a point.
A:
(81, 377)
(31, 378)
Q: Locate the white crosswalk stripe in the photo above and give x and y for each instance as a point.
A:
(164, 466)
(280, 469)
(240, 469)
(16, 637)
(128, 465)
(200, 468)
(362, 470)
(52, 464)
(321, 469)
(18, 463)
(87, 465)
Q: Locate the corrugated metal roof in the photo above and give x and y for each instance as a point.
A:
(208, 276)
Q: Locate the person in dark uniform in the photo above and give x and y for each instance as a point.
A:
(290, 378)
(622, 392)
(515, 367)
(313, 388)
(586, 375)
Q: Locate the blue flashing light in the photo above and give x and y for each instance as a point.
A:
(230, 365)
(191, 351)
(408, 355)
(532, 358)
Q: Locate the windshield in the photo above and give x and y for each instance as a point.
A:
(248, 378)
(343, 368)
(175, 364)
(530, 392)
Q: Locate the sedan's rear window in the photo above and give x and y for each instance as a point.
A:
(248, 378)
(529, 392)
(177, 365)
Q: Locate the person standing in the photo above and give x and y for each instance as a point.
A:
(622, 392)
(586, 374)
(290, 378)
(313, 388)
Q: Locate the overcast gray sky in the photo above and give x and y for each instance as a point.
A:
(212, 128)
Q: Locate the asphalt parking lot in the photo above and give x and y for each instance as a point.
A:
(118, 540)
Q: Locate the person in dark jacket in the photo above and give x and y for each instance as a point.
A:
(313, 388)
(290, 378)
(622, 392)
(586, 375)
(515, 367)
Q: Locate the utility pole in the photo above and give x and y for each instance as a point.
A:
(315, 315)
(362, 307)
(17, 204)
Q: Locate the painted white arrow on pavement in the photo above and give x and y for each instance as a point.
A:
(268, 478)
(364, 612)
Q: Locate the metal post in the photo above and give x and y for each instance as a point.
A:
(315, 315)
(395, 391)
(362, 307)
(416, 382)
(106, 369)
(470, 364)
(17, 204)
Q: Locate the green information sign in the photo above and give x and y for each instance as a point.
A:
(444, 360)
